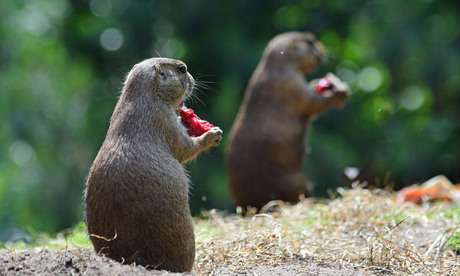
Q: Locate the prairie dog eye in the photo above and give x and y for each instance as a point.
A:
(183, 68)
(310, 42)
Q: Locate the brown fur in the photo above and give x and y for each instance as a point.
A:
(137, 190)
(265, 150)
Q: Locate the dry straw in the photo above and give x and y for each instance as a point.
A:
(369, 231)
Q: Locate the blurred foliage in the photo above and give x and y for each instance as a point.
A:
(75, 237)
(62, 63)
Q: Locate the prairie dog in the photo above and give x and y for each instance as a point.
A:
(137, 208)
(265, 149)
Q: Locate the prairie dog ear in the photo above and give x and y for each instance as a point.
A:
(158, 71)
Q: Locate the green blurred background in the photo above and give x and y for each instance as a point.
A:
(62, 63)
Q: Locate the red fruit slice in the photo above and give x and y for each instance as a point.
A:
(323, 85)
(195, 126)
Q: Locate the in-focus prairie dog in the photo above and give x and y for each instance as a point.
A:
(137, 208)
(265, 150)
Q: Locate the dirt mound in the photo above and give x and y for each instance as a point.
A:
(86, 262)
(63, 262)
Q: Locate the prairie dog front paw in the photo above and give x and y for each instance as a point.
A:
(338, 86)
(213, 137)
(332, 88)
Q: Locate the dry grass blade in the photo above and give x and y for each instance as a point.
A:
(365, 230)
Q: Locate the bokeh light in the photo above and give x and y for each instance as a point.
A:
(111, 39)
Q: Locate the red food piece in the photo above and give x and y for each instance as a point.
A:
(195, 126)
(323, 85)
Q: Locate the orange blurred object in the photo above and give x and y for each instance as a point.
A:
(438, 188)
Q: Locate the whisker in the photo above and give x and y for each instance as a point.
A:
(158, 53)
(200, 88)
(194, 98)
(202, 78)
(200, 75)
(205, 86)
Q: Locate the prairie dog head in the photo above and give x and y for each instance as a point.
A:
(161, 80)
(297, 49)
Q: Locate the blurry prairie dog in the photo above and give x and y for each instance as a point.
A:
(265, 150)
(137, 208)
